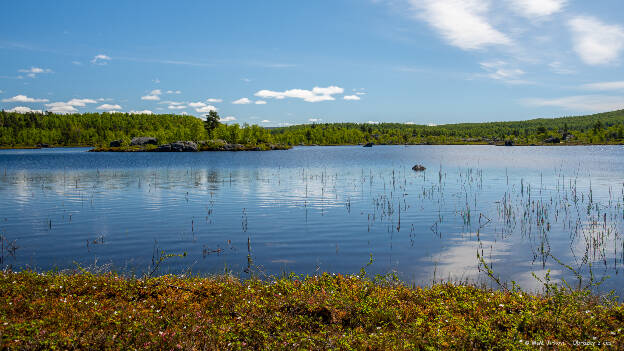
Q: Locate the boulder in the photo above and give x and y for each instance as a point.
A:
(552, 140)
(178, 146)
(509, 143)
(116, 143)
(369, 145)
(418, 168)
(140, 141)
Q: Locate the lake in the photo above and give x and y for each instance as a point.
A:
(524, 210)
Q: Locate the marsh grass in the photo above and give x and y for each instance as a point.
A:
(87, 310)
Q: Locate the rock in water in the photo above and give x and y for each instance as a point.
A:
(418, 168)
(143, 141)
(178, 146)
(369, 145)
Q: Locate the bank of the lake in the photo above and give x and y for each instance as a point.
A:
(108, 311)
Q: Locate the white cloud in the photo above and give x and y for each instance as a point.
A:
(23, 98)
(61, 107)
(559, 68)
(77, 63)
(595, 42)
(228, 119)
(605, 86)
(462, 23)
(33, 71)
(206, 109)
(154, 95)
(372, 122)
(265, 121)
(409, 123)
(537, 8)
(315, 120)
(143, 112)
(109, 107)
(174, 92)
(80, 102)
(176, 107)
(242, 101)
(589, 103)
(214, 100)
(100, 59)
(431, 124)
(317, 94)
(351, 97)
(197, 104)
(260, 102)
(23, 109)
(501, 70)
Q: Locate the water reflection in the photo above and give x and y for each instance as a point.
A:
(316, 209)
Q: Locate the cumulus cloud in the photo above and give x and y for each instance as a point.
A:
(23, 98)
(462, 23)
(372, 122)
(214, 100)
(595, 42)
(205, 109)
(265, 121)
(109, 107)
(23, 109)
(154, 95)
(260, 102)
(228, 119)
(100, 59)
(317, 94)
(61, 107)
(176, 107)
(142, 112)
(537, 8)
(315, 120)
(604, 86)
(81, 102)
(351, 97)
(589, 103)
(33, 71)
(242, 101)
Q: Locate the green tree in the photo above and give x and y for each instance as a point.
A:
(212, 121)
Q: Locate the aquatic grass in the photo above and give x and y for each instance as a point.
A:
(108, 311)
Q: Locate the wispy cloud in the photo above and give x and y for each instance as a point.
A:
(228, 119)
(317, 94)
(537, 8)
(23, 98)
(595, 42)
(501, 70)
(351, 97)
(260, 102)
(462, 23)
(100, 59)
(32, 72)
(585, 103)
(214, 100)
(619, 85)
(142, 112)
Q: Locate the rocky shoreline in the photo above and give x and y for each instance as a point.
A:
(150, 144)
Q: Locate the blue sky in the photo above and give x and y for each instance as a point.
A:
(290, 62)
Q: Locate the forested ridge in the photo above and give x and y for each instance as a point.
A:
(97, 129)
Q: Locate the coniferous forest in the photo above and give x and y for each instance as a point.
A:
(98, 129)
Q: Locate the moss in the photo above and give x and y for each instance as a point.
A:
(108, 311)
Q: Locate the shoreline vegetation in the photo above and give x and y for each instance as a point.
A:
(115, 132)
(81, 310)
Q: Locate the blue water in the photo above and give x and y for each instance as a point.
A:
(321, 209)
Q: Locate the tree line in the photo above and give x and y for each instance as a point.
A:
(97, 129)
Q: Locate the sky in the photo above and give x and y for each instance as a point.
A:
(278, 63)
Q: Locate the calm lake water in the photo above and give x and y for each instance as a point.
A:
(321, 209)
